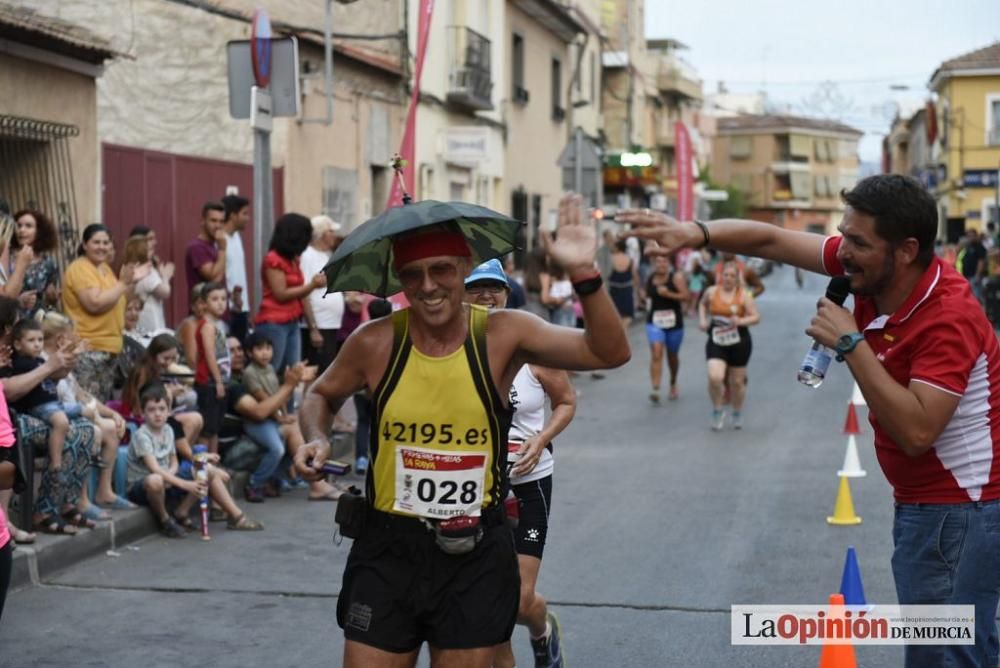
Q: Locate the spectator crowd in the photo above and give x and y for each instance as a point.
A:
(115, 398)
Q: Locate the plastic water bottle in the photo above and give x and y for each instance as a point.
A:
(813, 370)
(201, 475)
(815, 365)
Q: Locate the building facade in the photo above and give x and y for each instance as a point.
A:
(169, 143)
(792, 169)
(47, 147)
(544, 93)
(968, 108)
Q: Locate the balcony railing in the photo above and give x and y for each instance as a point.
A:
(470, 83)
(673, 79)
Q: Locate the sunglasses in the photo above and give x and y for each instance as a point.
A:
(439, 272)
(493, 289)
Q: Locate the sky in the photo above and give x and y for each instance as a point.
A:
(790, 49)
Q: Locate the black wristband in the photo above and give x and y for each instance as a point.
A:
(704, 232)
(588, 286)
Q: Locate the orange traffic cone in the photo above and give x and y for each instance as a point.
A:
(851, 423)
(837, 656)
(843, 509)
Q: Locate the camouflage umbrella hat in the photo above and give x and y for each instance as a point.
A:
(363, 261)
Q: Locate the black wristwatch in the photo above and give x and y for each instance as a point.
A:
(847, 343)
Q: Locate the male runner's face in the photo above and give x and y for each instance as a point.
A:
(435, 287)
(867, 258)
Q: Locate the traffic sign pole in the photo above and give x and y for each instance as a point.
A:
(260, 120)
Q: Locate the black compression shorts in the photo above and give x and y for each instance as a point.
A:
(400, 590)
(533, 526)
(737, 355)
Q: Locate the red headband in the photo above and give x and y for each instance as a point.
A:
(417, 247)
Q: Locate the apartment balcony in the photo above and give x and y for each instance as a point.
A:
(665, 135)
(676, 80)
(470, 82)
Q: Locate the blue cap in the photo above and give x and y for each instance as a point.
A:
(198, 449)
(491, 270)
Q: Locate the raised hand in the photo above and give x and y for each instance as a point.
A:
(167, 270)
(575, 244)
(667, 233)
(127, 274)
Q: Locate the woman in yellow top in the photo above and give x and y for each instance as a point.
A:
(94, 298)
(725, 312)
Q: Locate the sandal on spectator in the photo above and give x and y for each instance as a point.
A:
(73, 516)
(21, 536)
(333, 495)
(54, 524)
(92, 512)
(185, 522)
(171, 529)
(243, 523)
(118, 504)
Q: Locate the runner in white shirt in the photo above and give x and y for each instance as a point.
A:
(531, 462)
(323, 312)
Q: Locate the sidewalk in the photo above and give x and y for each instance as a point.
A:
(50, 554)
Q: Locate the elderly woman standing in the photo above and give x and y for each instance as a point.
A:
(94, 298)
(323, 312)
(35, 239)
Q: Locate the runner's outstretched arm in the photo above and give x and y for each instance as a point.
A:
(747, 237)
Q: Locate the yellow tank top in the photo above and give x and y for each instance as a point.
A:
(439, 429)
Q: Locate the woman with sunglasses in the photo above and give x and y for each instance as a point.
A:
(531, 464)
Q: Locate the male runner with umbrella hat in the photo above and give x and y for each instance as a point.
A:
(435, 561)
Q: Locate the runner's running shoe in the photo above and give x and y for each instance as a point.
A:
(718, 420)
(654, 396)
(548, 651)
(737, 420)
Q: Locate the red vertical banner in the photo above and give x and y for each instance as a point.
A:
(685, 176)
(407, 147)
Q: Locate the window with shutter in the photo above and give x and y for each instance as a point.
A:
(740, 148)
(801, 185)
(800, 147)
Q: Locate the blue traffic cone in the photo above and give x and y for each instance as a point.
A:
(850, 584)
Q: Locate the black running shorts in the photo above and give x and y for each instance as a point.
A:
(533, 526)
(212, 409)
(735, 356)
(400, 590)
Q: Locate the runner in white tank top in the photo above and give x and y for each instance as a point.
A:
(527, 399)
(531, 466)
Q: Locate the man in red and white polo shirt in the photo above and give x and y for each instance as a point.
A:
(928, 363)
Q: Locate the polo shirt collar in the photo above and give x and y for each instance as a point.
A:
(921, 292)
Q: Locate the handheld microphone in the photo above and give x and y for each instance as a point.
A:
(818, 358)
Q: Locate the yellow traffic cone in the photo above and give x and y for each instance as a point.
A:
(843, 509)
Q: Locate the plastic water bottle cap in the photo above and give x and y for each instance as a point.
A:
(199, 449)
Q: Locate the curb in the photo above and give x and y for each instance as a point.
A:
(33, 564)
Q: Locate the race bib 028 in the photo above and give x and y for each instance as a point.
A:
(439, 483)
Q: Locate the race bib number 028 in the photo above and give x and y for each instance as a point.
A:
(439, 483)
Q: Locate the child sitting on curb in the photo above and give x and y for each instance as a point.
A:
(153, 472)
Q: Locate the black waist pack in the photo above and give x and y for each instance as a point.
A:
(351, 510)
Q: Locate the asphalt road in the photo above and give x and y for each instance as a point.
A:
(658, 526)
